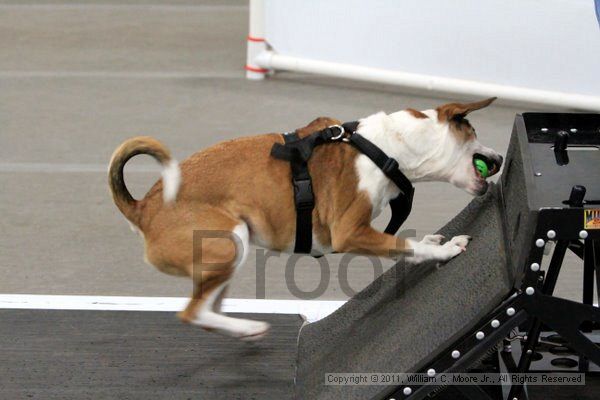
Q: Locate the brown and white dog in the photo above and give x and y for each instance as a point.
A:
(236, 187)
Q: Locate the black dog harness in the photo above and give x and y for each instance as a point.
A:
(298, 151)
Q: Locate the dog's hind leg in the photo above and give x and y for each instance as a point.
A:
(210, 285)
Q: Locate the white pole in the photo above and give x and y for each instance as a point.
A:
(270, 60)
(256, 40)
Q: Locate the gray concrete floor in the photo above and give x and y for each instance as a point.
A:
(79, 77)
(106, 355)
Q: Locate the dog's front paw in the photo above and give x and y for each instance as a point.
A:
(433, 239)
(454, 247)
(461, 241)
(430, 249)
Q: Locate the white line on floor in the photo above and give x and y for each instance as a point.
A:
(312, 310)
(121, 74)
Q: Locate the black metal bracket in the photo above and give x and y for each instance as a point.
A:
(473, 392)
(470, 348)
(560, 148)
(567, 318)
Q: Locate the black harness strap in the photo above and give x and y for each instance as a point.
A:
(298, 151)
(304, 197)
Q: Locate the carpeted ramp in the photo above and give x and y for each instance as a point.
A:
(410, 314)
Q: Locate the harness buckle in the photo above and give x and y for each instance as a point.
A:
(390, 165)
(303, 194)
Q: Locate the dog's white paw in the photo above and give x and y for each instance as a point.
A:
(461, 241)
(430, 248)
(448, 251)
(432, 239)
(454, 247)
(239, 328)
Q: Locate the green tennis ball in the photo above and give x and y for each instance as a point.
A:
(482, 167)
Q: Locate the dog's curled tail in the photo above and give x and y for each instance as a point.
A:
(171, 174)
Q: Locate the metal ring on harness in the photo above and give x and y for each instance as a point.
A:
(341, 134)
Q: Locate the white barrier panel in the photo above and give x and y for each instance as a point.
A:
(545, 52)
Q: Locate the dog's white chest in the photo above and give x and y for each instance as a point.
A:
(377, 186)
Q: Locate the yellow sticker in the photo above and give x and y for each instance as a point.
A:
(591, 219)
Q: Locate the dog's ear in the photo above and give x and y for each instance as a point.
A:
(452, 111)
